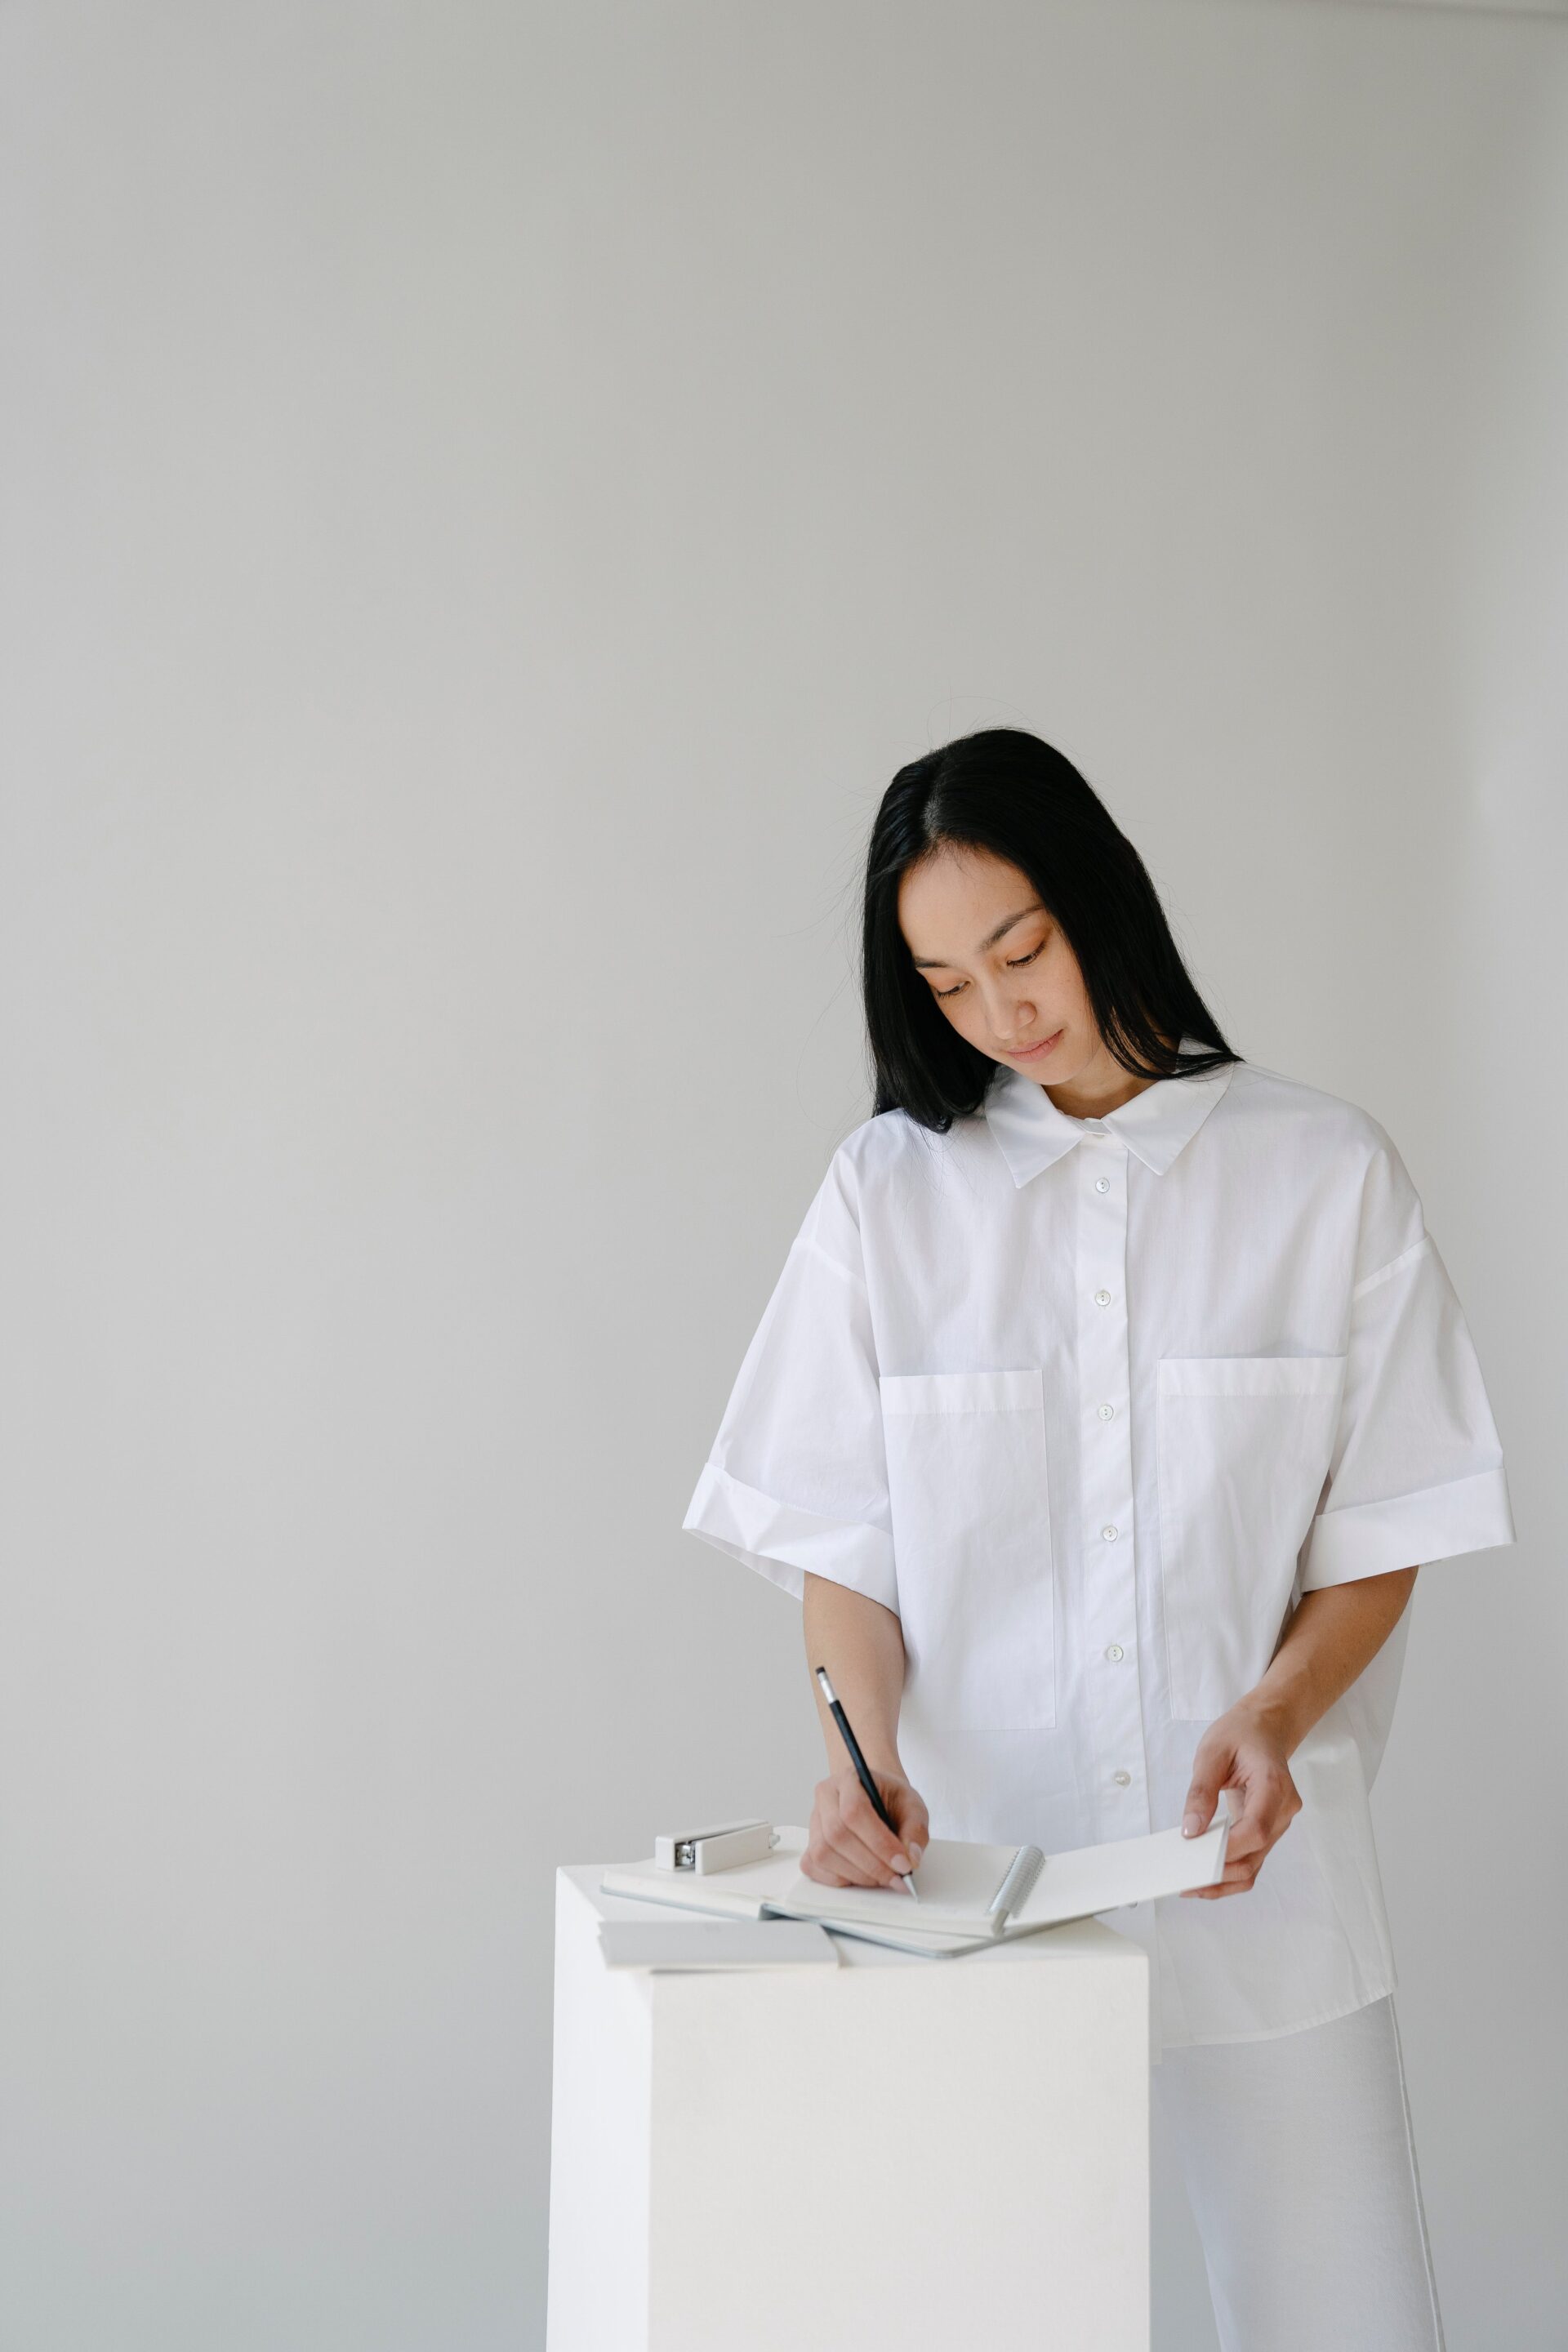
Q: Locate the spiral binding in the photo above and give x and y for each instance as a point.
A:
(1019, 1885)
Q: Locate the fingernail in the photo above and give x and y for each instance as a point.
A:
(1192, 1824)
(915, 1852)
(901, 1863)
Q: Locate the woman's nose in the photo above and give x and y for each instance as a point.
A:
(1010, 1021)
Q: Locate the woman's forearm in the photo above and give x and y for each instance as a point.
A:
(1333, 1633)
(862, 1645)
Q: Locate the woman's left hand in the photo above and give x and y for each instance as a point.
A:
(1247, 1750)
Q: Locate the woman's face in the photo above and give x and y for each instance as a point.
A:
(997, 965)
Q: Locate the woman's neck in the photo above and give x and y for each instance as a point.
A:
(1102, 1086)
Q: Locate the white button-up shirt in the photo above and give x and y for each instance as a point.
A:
(1089, 1404)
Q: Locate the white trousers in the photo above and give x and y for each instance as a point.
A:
(1299, 2165)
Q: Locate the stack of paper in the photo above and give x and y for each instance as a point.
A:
(695, 1943)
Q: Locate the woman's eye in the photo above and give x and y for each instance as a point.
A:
(1013, 964)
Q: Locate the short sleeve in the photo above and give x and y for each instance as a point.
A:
(1417, 1472)
(797, 1477)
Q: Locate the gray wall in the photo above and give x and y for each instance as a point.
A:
(493, 492)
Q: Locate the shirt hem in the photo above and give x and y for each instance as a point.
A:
(1277, 2032)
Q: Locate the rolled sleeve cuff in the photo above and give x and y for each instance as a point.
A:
(1371, 1539)
(784, 1541)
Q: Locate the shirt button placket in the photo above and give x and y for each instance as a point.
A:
(1115, 1726)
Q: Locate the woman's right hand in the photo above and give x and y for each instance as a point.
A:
(848, 1846)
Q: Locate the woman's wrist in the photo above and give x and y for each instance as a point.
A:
(881, 1749)
(1274, 1715)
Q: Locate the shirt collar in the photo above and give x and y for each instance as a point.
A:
(1032, 1133)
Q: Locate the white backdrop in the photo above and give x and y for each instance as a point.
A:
(493, 492)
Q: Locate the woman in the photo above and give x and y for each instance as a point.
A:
(1109, 1394)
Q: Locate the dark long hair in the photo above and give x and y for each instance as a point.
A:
(1005, 791)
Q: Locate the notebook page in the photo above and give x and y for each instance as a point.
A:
(1091, 1878)
(958, 1881)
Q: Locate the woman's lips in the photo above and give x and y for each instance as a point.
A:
(1033, 1052)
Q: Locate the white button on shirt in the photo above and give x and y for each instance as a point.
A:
(1240, 1262)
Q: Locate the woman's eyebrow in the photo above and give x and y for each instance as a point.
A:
(921, 962)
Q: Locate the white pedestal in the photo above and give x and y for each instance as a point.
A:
(898, 2155)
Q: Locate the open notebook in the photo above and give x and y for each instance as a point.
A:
(971, 1895)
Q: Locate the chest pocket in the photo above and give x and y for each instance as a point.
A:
(1244, 1443)
(971, 1546)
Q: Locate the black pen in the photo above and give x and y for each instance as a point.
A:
(852, 1745)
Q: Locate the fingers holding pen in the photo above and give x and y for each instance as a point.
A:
(849, 1846)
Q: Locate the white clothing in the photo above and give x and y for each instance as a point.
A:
(1089, 1404)
(1299, 2165)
